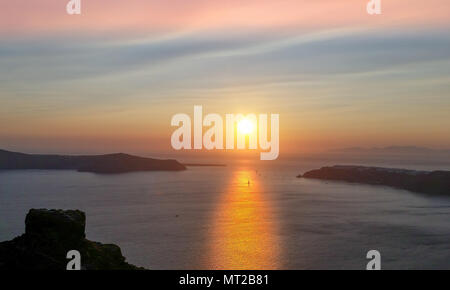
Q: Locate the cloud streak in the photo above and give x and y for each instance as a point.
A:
(48, 17)
(119, 72)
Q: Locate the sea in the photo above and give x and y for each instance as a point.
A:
(246, 215)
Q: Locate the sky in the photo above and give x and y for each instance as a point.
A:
(110, 79)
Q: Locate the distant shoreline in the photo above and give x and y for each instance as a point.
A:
(204, 164)
(429, 182)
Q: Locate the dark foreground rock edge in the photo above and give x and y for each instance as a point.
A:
(427, 182)
(49, 235)
(105, 164)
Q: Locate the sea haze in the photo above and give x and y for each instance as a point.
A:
(243, 216)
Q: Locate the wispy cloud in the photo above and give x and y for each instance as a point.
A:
(24, 17)
(123, 69)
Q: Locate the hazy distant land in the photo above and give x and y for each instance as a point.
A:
(402, 150)
(204, 164)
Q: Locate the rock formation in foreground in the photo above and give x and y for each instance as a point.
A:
(49, 235)
(108, 163)
(430, 182)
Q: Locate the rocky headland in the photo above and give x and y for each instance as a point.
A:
(428, 182)
(49, 236)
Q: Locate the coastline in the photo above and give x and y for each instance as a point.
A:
(428, 182)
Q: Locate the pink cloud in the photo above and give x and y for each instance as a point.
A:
(23, 17)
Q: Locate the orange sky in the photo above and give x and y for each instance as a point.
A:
(111, 79)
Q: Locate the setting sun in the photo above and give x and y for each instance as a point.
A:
(245, 127)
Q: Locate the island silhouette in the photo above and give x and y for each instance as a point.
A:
(106, 164)
(429, 182)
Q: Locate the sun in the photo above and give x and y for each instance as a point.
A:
(245, 127)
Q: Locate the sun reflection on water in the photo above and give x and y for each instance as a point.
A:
(244, 230)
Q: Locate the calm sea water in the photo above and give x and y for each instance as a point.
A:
(213, 218)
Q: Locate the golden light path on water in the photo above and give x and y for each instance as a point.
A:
(244, 233)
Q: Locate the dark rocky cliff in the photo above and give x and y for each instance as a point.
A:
(49, 235)
(430, 182)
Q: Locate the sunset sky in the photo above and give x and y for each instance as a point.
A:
(111, 79)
